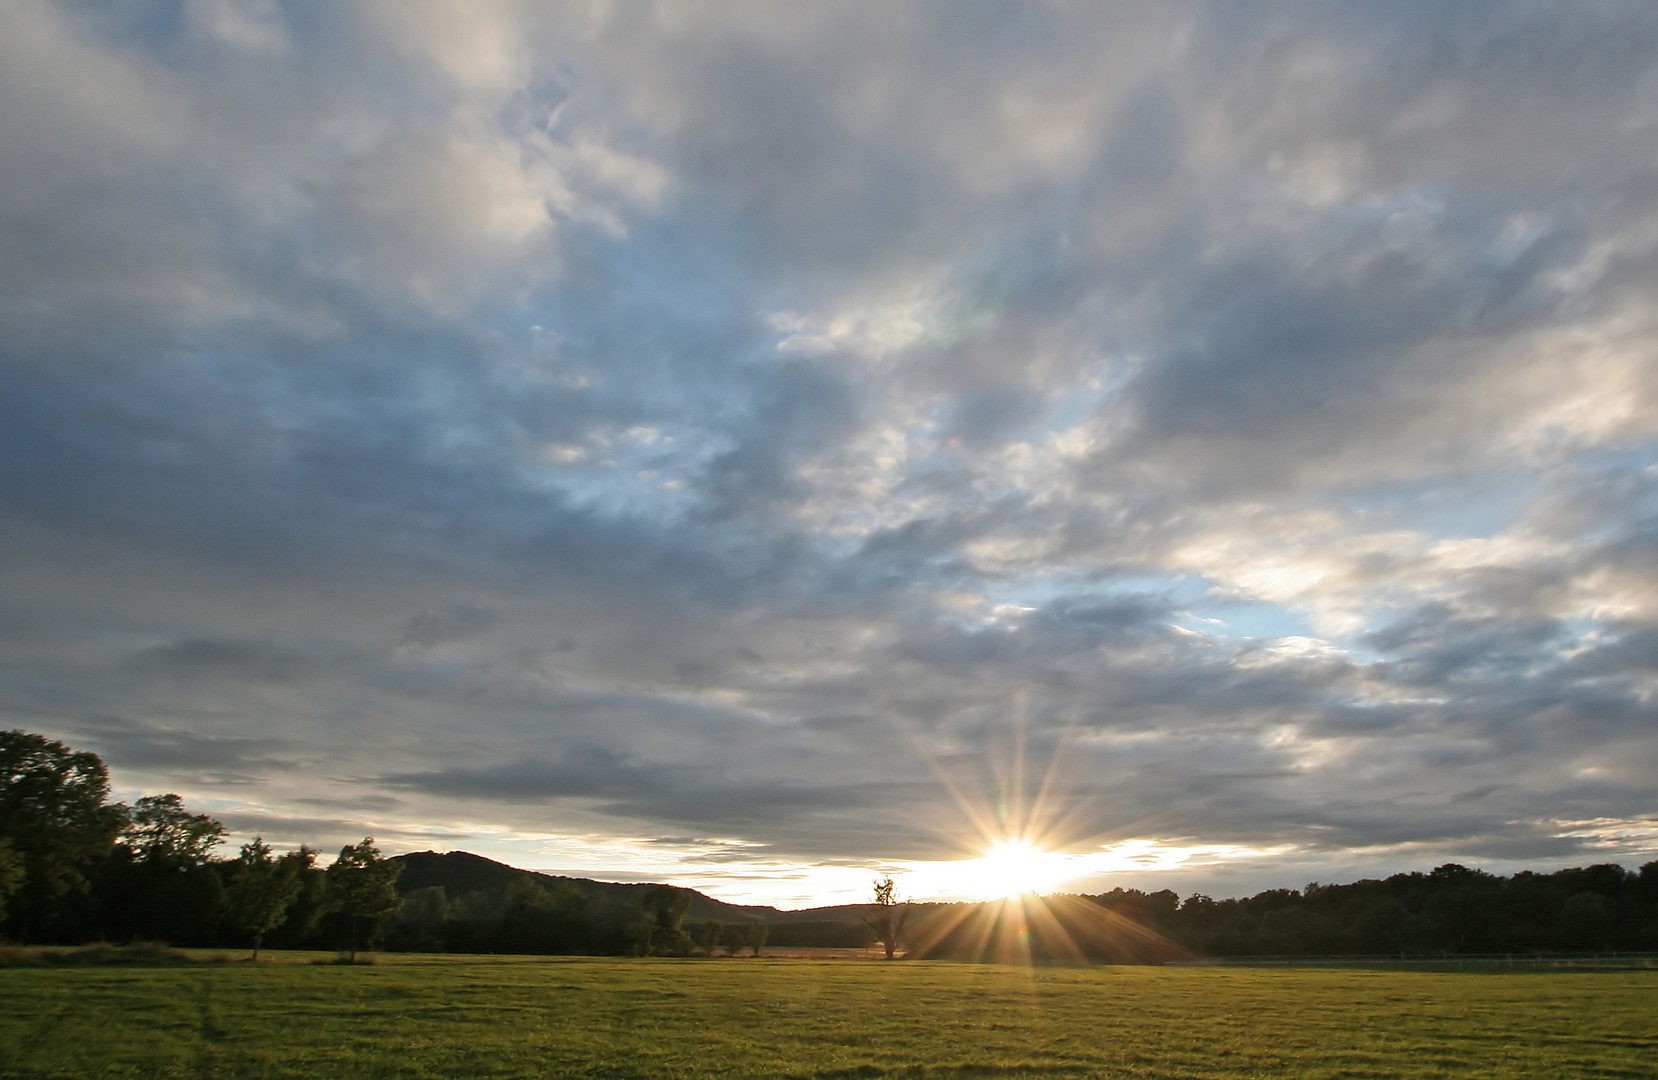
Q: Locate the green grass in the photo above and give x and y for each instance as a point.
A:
(498, 1017)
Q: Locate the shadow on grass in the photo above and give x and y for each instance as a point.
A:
(142, 954)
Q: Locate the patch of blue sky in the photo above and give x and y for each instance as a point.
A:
(1630, 471)
(1192, 601)
(1089, 395)
(1579, 633)
(661, 313)
(1036, 591)
(1475, 506)
(1229, 617)
(641, 472)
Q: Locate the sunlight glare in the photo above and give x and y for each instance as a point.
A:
(1012, 868)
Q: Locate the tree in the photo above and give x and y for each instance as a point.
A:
(53, 812)
(262, 891)
(659, 925)
(11, 874)
(542, 920)
(164, 884)
(311, 904)
(161, 830)
(734, 938)
(419, 924)
(362, 885)
(708, 935)
(887, 915)
(756, 936)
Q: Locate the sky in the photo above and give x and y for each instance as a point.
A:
(762, 446)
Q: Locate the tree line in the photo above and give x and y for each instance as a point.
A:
(1452, 909)
(75, 867)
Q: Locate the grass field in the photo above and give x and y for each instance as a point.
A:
(499, 1017)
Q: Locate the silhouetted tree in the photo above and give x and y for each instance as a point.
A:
(362, 885)
(541, 920)
(161, 830)
(708, 934)
(159, 884)
(11, 874)
(755, 937)
(1583, 919)
(53, 811)
(887, 915)
(658, 930)
(420, 922)
(309, 906)
(261, 891)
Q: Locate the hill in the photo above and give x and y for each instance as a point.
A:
(461, 872)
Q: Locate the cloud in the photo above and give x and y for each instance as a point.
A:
(564, 425)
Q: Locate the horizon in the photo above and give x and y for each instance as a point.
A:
(642, 880)
(767, 447)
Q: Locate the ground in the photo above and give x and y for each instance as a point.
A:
(412, 1016)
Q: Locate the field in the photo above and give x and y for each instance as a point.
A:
(412, 1016)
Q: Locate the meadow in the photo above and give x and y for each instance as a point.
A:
(444, 1016)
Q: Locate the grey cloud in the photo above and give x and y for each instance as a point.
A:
(199, 658)
(432, 627)
(139, 744)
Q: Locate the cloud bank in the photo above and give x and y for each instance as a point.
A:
(717, 440)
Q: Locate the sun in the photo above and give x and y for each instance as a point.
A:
(1013, 868)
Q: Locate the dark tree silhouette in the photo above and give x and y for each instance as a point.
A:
(53, 811)
(362, 885)
(11, 874)
(708, 934)
(161, 830)
(658, 932)
(887, 916)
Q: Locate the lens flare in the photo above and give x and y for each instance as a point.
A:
(1013, 868)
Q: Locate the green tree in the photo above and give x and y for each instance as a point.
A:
(756, 935)
(53, 810)
(161, 830)
(734, 938)
(1583, 920)
(538, 920)
(887, 915)
(419, 923)
(708, 934)
(362, 885)
(310, 905)
(11, 874)
(262, 891)
(664, 910)
(169, 890)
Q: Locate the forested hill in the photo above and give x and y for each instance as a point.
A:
(460, 873)
(1452, 909)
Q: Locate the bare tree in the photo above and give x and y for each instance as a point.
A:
(887, 914)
